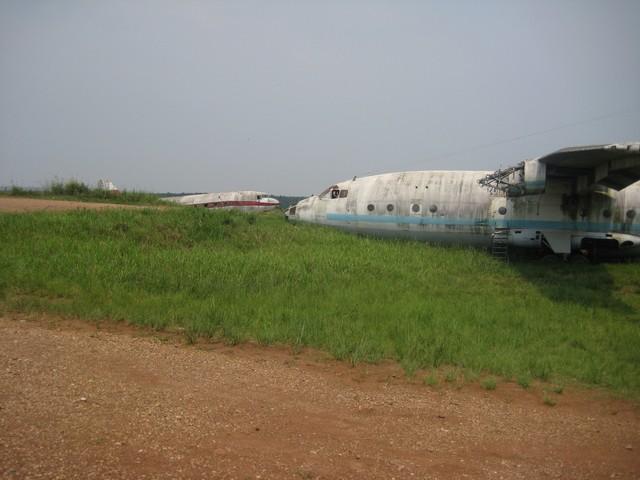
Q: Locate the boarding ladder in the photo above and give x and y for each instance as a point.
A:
(500, 244)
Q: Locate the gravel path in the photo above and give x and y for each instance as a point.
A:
(20, 204)
(78, 401)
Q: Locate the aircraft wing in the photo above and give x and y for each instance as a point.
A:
(615, 166)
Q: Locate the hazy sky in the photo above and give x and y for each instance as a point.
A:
(289, 97)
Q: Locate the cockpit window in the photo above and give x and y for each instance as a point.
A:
(343, 193)
(335, 193)
(330, 189)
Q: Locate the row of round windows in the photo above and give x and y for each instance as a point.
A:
(415, 208)
(606, 213)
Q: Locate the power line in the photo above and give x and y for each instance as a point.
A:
(539, 132)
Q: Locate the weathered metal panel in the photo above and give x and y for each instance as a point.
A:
(451, 207)
(248, 200)
(535, 176)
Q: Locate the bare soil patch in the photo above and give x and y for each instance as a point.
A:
(85, 401)
(19, 204)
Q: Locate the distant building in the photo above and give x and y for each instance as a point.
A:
(107, 185)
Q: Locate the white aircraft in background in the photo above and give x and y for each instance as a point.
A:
(579, 199)
(247, 201)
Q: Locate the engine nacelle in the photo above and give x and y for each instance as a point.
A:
(535, 177)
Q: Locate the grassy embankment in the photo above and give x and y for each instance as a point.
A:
(79, 191)
(240, 277)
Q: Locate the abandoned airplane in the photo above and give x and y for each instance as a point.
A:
(579, 199)
(247, 201)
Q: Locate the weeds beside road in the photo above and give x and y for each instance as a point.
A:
(240, 277)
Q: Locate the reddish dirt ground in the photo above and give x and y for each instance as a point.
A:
(77, 401)
(81, 401)
(19, 204)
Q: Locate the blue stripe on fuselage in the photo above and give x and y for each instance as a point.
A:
(506, 223)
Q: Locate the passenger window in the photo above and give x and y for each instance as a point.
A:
(343, 193)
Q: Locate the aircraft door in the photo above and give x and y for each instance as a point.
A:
(352, 197)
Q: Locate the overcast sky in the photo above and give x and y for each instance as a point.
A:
(289, 97)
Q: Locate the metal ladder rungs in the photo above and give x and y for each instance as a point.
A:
(500, 244)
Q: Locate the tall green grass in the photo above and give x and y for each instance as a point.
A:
(220, 274)
(76, 190)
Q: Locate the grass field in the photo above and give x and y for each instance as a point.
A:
(79, 191)
(238, 277)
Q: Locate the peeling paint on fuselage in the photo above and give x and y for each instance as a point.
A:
(452, 207)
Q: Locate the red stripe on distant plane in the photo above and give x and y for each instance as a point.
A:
(240, 203)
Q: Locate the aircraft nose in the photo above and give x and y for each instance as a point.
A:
(271, 200)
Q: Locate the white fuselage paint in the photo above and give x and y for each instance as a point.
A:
(246, 201)
(452, 207)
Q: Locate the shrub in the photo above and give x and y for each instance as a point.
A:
(75, 188)
(489, 384)
(17, 191)
(56, 187)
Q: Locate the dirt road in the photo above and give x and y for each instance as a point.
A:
(81, 402)
(19, 204)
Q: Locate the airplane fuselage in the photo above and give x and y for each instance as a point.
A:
(245, 200)
(452, 207)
